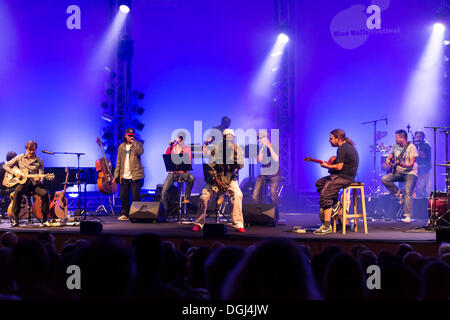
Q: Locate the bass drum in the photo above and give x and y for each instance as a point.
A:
(438, 206)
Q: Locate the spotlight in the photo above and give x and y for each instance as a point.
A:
(139, 110)
(446, 42)
(138, 125)
(107, 117)
(439, 27)
(275, 69)
(283, 38)
(275, 54)
(108, 135)
(124, 8)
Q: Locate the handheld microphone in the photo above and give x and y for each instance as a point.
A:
(172, 142)
(47, 152)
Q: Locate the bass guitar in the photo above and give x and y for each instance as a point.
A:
(58, 207)
(105, 179)
(21, 176)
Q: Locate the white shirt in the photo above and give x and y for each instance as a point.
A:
(126, 169)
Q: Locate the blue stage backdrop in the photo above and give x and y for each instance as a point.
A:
(198, 60)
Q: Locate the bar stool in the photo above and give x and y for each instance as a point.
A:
(346, 202)
(181, 191)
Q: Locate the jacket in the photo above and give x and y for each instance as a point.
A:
(137, 171)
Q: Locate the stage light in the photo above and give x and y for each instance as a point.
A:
(138, 125)
(107, 117)
(275, 54)
(105, 105)
(439, 27)
(446, 42)
(139, 110)
(275, 69)
(283, 38)
(124, 8)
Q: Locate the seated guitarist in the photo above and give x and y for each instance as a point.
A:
(405, 169)
(35, 165)
(342, 174)
(223, 176)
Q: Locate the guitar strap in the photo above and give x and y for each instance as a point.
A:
(400, 156)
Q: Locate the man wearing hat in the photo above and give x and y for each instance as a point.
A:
(270, 169)
(129, 171)
(178, 147)
(224, 164)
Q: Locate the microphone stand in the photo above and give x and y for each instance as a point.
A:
(374, 150)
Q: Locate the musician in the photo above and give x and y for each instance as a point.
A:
(270, 170)
(34, 165)
(223, 176)
(423, 163)
(9, 156)
(129, 171)
(178, 147)
(342, 174)
(405, 153)
(4, 203)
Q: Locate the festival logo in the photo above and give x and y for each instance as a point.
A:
(351, 28)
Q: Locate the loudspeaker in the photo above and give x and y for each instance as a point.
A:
(144, 211)
(90, 227)
(443, 234)
(214, 230)
(262, 214)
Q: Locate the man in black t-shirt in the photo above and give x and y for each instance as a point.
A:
(342, 174)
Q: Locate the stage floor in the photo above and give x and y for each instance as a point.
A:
(395, 231)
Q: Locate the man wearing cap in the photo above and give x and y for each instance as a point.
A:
(224, 164)
(178, 147)
(270, 170)
(129, 171)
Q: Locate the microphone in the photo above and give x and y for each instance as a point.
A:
(47, 152)
(172, 142)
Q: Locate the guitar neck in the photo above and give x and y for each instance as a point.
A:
(315, 160)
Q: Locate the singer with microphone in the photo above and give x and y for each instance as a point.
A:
(178, 147)
(129, 171)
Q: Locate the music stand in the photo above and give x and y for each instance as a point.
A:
(182, 166)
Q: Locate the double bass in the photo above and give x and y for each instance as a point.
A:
(105, 178)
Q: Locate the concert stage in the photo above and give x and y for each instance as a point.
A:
(382, 235)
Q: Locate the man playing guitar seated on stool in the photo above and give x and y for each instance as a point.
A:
(34, 165)
(342, 174)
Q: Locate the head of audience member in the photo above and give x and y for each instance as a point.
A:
(148, 254)
(344, 279)
(274, 270)
(367, 258)
(320, 263)
(169, 266)
(446, 258)
(185, 245)
(387, 257)
(6, 281)
(107, 270)
(219, 265)
(444, 248)
(9, 239)
(403, 249)
(357, 249)
(10, 155)
(398, 282)
(196, 267)
(436, 281)
(29, 267)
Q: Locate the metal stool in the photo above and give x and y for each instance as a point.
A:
(346, 201)
(221, 205)
(181, 190)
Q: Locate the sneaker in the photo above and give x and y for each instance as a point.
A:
(407, 220)
(15, 224)
(336, 208)
(122, 218)
(323, 230)
(242, 230)
(196, 228)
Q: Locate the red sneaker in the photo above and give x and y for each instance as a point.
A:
(196, 228)
(240, 230)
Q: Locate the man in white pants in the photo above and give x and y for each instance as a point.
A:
(223, 176)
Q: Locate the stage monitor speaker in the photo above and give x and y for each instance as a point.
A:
(443, 234)
(260, 214)
(90, 227)
(214, 230)
(145, 211)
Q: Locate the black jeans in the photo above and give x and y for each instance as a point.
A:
(171, 178)
(24, 189)
(261, 182)
(125, 186)
(329, 187)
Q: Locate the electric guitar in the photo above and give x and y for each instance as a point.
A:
(59, 204)
(330, 162)
(11, 179)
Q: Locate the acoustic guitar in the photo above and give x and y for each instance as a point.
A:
(11, 179)
(58, 207)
